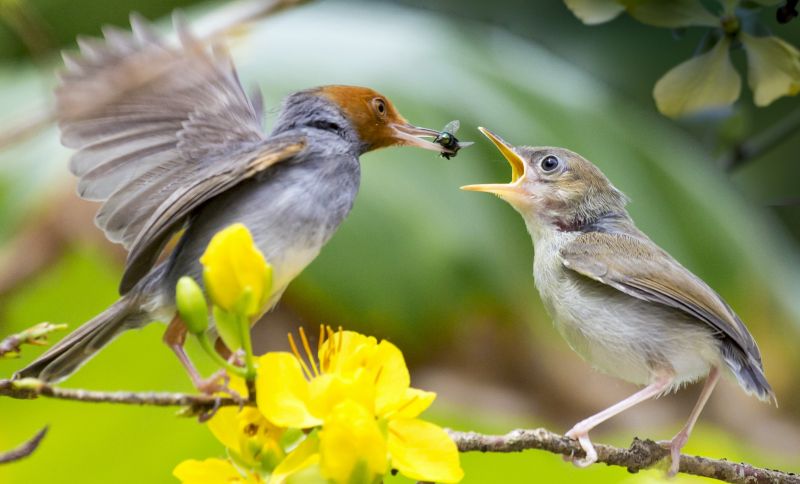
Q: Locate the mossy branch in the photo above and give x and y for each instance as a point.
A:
(640, 455)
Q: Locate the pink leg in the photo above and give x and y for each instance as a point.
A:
(175, 337)
(676, 444)
(580, 431)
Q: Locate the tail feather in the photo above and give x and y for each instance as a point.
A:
(749, 373)
(78, 347)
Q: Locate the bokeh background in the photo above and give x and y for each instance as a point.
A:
(444, 274)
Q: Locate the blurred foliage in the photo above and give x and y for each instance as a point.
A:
(437, 258)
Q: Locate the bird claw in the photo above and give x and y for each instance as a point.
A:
(217, 383)
(674, 446)
(582, 436)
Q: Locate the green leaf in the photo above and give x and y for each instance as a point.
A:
(593, 12)
(773, 68)
(670, 13)
(704, 82)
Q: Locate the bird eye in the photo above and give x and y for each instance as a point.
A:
(380, 106)
(549, 163)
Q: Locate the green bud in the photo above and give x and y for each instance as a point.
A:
(192, 305)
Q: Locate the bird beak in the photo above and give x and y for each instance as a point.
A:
(503, 190)
(409, 135)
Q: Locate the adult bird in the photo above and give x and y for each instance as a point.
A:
(168, 140)
(621, 302)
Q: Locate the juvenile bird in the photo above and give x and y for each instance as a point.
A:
(621, 302)
(168, 140)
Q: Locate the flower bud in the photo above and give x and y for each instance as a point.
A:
(232, 264)
(192, 305)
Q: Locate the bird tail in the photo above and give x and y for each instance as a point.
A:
(749, 373)
(78, 347)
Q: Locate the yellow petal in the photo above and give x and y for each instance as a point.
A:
(282, 391)
(423, 451)
(671, 13)
(224, 423)
(224, 427)
(329, 390)
(211, 471)
(249, 436)
(232, 263)
(773, 68)
(704, 82)
(302, 457)
(593, 12)
(413, 403)
(392, 380)
(345, 351)
(352, 446)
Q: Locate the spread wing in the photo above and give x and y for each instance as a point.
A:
(159, 129)
(639, 268)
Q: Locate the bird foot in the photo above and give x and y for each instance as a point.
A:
(582, 436)
(215, 384)
(675, 445)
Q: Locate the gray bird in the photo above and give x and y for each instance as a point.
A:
(168, 140)
(621, 302)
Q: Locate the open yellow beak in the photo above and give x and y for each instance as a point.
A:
(503, 190)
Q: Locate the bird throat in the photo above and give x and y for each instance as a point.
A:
(607, 222)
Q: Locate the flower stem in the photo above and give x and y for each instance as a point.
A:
(205, 343)
(247, 346)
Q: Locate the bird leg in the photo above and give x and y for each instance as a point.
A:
(175, 338)
(580, 431)
(676, 444)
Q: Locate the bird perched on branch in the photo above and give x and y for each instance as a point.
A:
(167, 140)
(621, 302)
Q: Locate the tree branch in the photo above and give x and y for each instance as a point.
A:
(641, 455)
(36, 335)
(31, 388)
(761, 143)
(23, 450)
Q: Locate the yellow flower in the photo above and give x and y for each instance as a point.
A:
(773, 68)
(213, 471)
(352, 447)
(236, 275)
(359, 392)
(252, 439)
(704, 82)
(670, 13)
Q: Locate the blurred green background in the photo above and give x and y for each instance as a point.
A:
(444, 274)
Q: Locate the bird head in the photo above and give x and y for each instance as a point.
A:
(376, 121)
(553, 187)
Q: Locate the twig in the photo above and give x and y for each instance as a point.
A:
(762, 142)
(641, 455)
(23, 450)
(36, 335)
(30, 388)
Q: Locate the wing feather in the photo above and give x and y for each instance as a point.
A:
(148, 118)
(636, 266)
(172, 213)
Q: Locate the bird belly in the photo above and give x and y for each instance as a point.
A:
(623, 336)
(289, 214)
